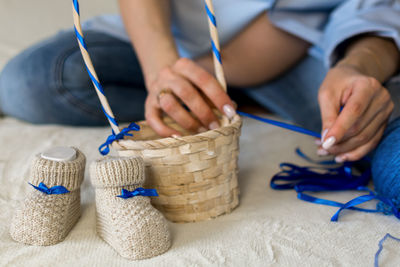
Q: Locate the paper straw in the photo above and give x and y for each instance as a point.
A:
(212, 24)
(89, 66)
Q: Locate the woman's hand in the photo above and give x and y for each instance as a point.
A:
(186, 83)
(355, 109)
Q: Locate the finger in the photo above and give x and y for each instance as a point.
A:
(174, 109)
(194, 101)
(206, 83)
(363, 137)
(363, 150)
(381, 104)
(355, 107)
(153, 118)
(329, 104)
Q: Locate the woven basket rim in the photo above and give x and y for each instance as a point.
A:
(170, 142)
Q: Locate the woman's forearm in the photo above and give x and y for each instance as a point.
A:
(148, 26)
(374, 56)
(259, 53)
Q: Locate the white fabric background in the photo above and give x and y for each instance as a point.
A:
(269, 228)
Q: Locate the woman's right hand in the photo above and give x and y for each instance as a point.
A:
(185, 82)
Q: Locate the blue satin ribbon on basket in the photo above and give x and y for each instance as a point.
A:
(104, 149)
(55, 190)
(140, 191)
(325, 179)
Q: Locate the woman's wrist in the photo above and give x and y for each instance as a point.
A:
(372, 56)
(362, 62)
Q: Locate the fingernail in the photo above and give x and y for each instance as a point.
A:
(229, 111)
(329, 143)
(202, 130)
(322, 152)
(176, 135)
(340, 159)
(214, 125)
(324, 134)
(318, 142)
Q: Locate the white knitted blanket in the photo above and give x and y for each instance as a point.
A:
(269, 228)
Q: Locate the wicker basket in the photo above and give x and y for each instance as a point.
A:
(195, 175)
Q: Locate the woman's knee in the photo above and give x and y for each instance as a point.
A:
(31, 86)
(19, 83)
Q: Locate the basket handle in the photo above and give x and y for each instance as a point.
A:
(212, 25)
(92, 73)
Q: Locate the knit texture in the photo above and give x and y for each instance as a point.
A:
(385, 164)
(43, 219)
(134, 228)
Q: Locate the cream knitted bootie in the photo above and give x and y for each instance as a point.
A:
(53, 207)
(126, 220)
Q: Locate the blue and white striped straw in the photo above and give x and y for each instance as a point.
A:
(90, 69)
(212, 23)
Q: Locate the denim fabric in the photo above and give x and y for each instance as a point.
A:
(48, 82)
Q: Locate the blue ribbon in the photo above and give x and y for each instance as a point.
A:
(211, 16)
(216, 51)
(281, 124)
(55, 190)
(376, 263)
(385, 205)
(317, 179)
(125, 194)
(105, 148)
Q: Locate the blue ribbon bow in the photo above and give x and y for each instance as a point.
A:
(55, 190)
(125, 194)
(104, 149)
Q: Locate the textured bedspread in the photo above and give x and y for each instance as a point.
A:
(269, 228)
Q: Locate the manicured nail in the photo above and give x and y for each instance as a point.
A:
(214, 125)
(324, 134)
(329, 143)
(229, 111)
(176, 136)
(202, 130)
(318, 142)
(322, 152)
(341, 159)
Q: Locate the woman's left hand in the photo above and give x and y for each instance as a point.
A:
(355, 109)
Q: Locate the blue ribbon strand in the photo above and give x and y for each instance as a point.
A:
(55, 190)
(376, 263)
(325, 179)
(211, 16)
(216, 51)
(125, 194)
(287, 126)
(105, 148)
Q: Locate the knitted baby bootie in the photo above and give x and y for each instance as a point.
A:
(53, 206)
(125, 218)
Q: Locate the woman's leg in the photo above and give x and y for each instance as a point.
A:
(48, 83)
